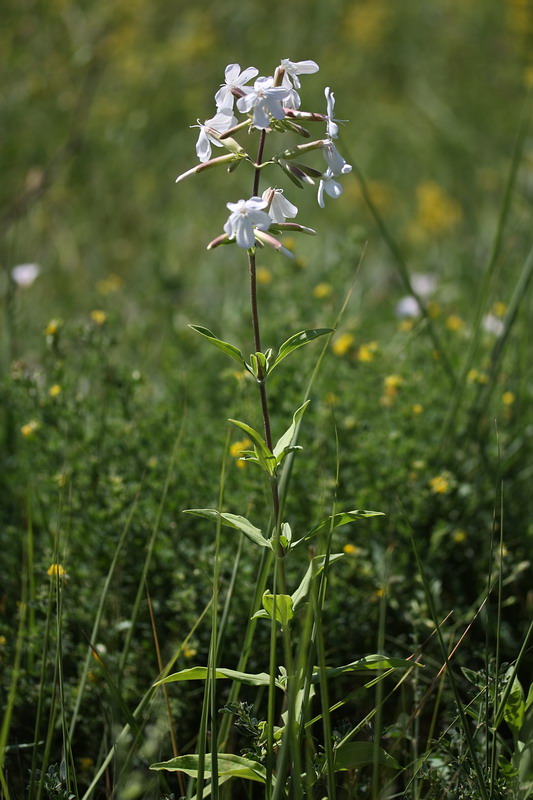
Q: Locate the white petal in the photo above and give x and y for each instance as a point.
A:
(333, 188)
(231, 73)
(247, 75)
(261, 118)
(245, 233)
(203, 146)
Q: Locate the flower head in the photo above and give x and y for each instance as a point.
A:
(235, 82)
(266, 101)
(279, 208)
(245, 216)
(25, 274)
(336, 163)
(220, 123)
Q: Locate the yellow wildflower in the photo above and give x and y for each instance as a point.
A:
(322, 290)
(331, 399)
(54, 390)
(406, 325)
(391, 383)
(437, 212)
(98, 316)
(52, 327)
(85, 762)
(189, 652)
(342, 344)
(459, 537)
(351, 549)
(417, 408)
(29, 428)
(264, 276)
(56, 570)
(508, 398)
(3, 641)
(439, 484)
(366, 351)
(236, 449)
(475, 376)
(367, 23)
(499, 308)
(434, 309)
(289, 242)
(454, 322)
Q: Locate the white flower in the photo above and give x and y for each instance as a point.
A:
(295, 68)
(330, 186)
(279, 208)
(332, 127)
(407, 307)
(493, 324)
(25, 274)
(235, 79)
(245, 215)
(336, 163)
(221, 122)
(293, 98)
(424, 284)
(265, 99)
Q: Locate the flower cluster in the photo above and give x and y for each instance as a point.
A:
(271, 103)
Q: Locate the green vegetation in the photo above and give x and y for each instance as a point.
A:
(138, 657)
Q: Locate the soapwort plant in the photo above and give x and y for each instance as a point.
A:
(291, 754)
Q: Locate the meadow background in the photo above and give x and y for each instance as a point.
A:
(113, 412)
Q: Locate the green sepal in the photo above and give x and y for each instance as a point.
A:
(298, 340)
(231, 521)
(230, 349)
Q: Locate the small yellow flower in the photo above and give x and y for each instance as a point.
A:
(60, 478)
(331, 399)
(264, 276)
(439, 484)
(56, 570)
(289, 242)
(322, 290)
(85, 762)
(54, 390)
(454, 323)
(366, 351)
(475, 376)
(351, 549)
(459, 537)
(189, 652)
(3, 641)
(29, 428)
(113, 283)
(434, 309)
(499, 308)
(437, 211)
(417, 408)
(97, 316)
(406, 325)
(391, 384)
(508, 398)
(52, 327)
(343, 344)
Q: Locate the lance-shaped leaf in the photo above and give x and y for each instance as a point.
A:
(284, 443)
(315, 567)
(231, 521)
(230, 349)
(202, 673)
(298, 340)
(335, 521)
(263, 454)
(372, 662)
(354, 755)
(228, 766)
(213, 162)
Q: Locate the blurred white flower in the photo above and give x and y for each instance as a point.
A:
(220, 123)
(424, 284)
(235, 79)
(265, 100)
(278, 207)
(493, 324)
(407, 307)
(295, 68)
(328, 185)
(245, 215)
(25, 274)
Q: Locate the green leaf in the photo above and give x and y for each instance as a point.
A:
(315, 568)
(353, 755)
(515, 707)
(298, 340)
(230, 349)
(231, 521)
(229, 765)
(202, 673)
(335, 521)
(284, 609)
(372, 662)
(285, 442)
(264, 456)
